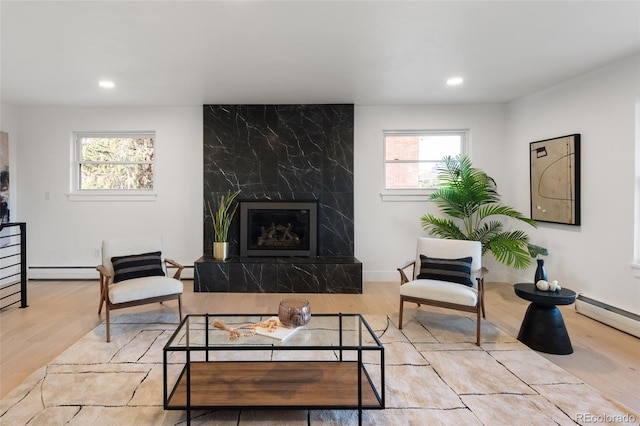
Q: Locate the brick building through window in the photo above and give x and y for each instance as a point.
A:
(412, 158)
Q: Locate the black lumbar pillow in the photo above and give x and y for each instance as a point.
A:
(452, 270)
(137, 266)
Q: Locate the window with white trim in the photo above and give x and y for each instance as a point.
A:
(411, 158)
(113, 163)
(635, 264)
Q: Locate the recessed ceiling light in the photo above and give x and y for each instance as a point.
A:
(107, 84)
(454, 81)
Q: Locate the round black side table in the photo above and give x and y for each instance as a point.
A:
(543, 328)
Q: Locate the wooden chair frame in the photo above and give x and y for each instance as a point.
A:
(478, 308)
(105, 280)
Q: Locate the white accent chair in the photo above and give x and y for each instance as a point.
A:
(445, 294)
(140, 290)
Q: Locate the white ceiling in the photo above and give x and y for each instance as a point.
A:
(362, 52)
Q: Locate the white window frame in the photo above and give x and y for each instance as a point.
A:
(635, 263)
(77, 194)
(416, 194)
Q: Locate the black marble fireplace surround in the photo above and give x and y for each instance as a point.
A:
(282, 153)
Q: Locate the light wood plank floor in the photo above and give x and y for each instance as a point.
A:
(60, 312)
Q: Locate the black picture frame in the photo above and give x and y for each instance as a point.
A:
(555, 180)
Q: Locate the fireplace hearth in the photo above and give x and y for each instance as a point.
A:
(278, 228)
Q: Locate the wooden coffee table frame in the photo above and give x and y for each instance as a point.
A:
(298, 384)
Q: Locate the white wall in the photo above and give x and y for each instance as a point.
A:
(63, 233)
(595, 257)
(386, 232)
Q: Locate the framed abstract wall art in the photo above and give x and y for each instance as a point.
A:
(555, 180)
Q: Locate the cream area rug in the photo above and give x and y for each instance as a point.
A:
(435, 374)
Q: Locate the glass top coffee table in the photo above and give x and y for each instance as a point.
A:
(335, 362)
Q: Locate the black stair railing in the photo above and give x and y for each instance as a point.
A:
(13, 264)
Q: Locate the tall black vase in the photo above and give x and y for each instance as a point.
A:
(541, 273)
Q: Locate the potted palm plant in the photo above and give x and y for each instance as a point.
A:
(469, 196)
(221, 220)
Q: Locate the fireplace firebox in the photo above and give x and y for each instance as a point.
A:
(278, 228)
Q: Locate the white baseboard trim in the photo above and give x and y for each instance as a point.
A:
(61, 273)
(79, 273)
(394, 277)
(381, 276)
(609, 315)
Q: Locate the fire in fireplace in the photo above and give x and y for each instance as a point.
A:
(278, 228)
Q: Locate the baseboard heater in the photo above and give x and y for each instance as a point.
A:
(79, 273)
(609, 315)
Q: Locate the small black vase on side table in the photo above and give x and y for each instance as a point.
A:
(541, 273)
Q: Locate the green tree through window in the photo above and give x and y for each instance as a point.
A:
(115, 162)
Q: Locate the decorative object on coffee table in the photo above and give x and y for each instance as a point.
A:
(294, 312)
(221, 220)
(270, 325)
(281, 333)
